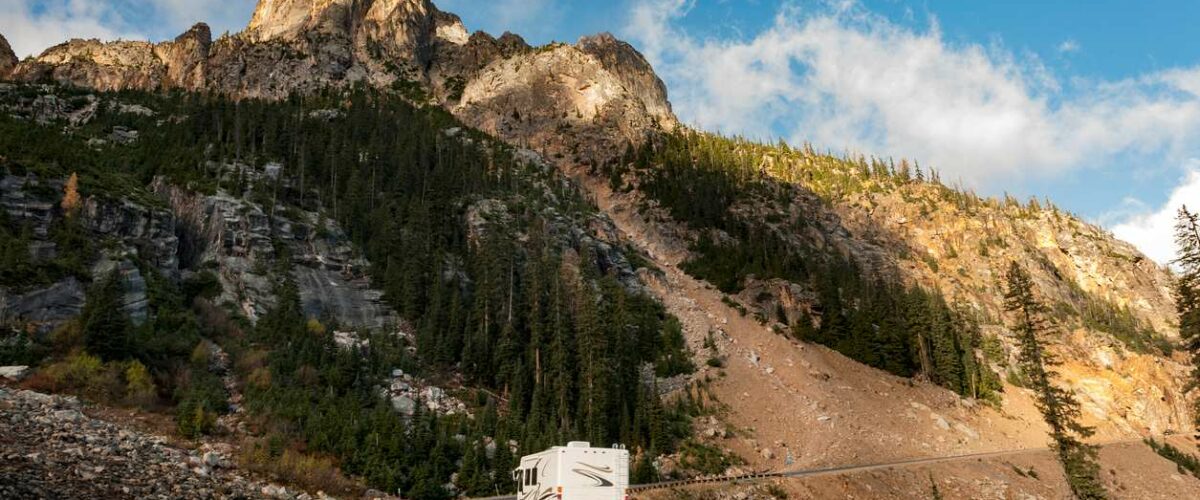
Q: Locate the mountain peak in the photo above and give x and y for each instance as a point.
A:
(601, 91)
(8, 59)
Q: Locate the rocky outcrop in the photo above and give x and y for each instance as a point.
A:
(135, 233)
(236, 238)
(183, 233)
(8, 59)
(43, 307)
(186, 57)
(583, 102)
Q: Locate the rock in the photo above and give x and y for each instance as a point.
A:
(940, 422)
(8, 59)
(404, 405)
(14, 373)
(46, 307)
(214, 460)
(967, 431)
(123, 135)
(69, 415)
(767, 453)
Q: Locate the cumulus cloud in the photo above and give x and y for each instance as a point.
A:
(1152, 229)
(33, 25)
(1068, 46)
(29, 31)
(842, 77)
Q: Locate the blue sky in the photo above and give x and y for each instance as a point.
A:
(1094, 104)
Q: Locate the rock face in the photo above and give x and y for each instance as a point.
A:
(580, 102)
(137, 233)
(8, 59)
(235, 237)
(583, 101)
(176, 233)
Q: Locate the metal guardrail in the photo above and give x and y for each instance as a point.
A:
(822, 471)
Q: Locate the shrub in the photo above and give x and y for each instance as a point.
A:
(704, 459)
(139, 385)
(309, 471)
(201, 355)
(83, 374)
(192, 420)
(67, 338)
(315, 327)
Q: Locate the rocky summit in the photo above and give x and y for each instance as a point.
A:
(578, 100)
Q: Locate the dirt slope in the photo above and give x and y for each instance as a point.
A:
(794, 405)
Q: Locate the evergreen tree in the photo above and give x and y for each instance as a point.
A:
(105, 324)
(1059, 407)
(1187, 292)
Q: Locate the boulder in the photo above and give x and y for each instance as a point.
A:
(14, 373)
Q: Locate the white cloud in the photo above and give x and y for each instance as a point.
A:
(1069, 46)
(30, 32)
(1153, 230)
(31, 26)
(842, 77)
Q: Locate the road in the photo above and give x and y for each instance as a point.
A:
(844, 469)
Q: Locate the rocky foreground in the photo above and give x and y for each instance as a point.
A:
(50, 449)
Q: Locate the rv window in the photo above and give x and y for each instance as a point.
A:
(535, 481)
(528, 477)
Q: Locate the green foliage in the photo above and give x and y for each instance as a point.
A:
(1059, 407)
(676, 359)
(106, 327)
(1186, 462)
(701, 178)
(705, 459)
(1187, 293)
(544, 323)
(19, 271)
(139, 386)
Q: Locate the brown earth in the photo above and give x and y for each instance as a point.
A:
(791, 405)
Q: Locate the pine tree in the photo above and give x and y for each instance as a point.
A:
(1059, 407)
(105, 324)
(1187, 292)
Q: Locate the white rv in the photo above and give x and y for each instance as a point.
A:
(574, 472)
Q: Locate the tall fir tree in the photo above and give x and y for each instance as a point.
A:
(1059, 407)
(105, 323)
(1187, 293)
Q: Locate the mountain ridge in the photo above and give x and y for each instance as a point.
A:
(592, 95)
